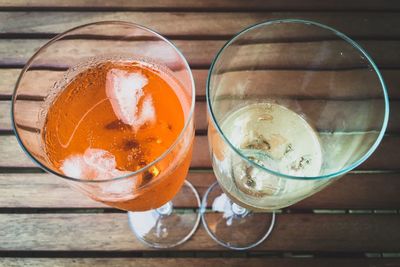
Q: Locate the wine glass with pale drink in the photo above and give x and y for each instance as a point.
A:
(108, 107)
(293, 105)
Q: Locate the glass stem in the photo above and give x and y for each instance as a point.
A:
(165, 209)
(239, 210)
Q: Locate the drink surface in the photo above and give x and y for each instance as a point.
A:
(114, 118)
(277, 139)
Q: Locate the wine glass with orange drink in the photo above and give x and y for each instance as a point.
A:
(108, 107)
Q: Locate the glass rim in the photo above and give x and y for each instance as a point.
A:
(141, 170)
(344, 38)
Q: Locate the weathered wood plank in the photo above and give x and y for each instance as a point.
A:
(200, 53)
(170, 262)
(354, 191)
(225, 5)
(18, 51)
(356, 112)
(385, 157)
(8, 79)
(295, 232)
(346, 82)
(357, 191)
(17, 158)
(324, 115)
(343, 84)
(360, 24)
(28, 115)
(110, 232)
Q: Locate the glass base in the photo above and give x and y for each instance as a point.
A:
(168, 226)
(231, 225)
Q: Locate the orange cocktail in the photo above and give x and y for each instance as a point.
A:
(114, 118)
(108, 108)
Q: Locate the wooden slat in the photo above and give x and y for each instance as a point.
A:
(357, 191)
(110, 232)
(324, 115)
(48, 191)
(370, 24)
(354, 191)
(17, 158)
(169, 262)
(225, 5)
(343, 84)
(30, 190)
(347, 82)
(385, 157)
(333, 54)
(29, 114)
(5, 115)
(16, 52)
(8, 79)
(356, 112)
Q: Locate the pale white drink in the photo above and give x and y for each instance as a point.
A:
(276, 138)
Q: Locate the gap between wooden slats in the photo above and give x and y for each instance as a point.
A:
(204, 5)
(169, 262)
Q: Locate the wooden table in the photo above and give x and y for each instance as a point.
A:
(354, 222)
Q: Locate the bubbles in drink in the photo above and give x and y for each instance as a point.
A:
(112, 118)
(274, 137)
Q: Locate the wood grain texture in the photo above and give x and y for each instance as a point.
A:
(199, 29)
(353, 191)
(327, 115)
(346, 82)
(360, 24)
(343, 84)
(17, 158)
(169, 262)
(200, 53)
(209, 5)
(28, 114)
(18, 51)
(110, 232)
(335, 113)
(8, 79)
(385, 157)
